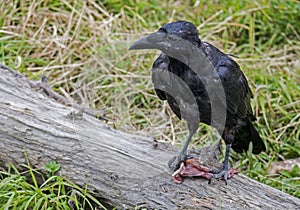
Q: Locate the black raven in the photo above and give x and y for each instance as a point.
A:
(202, 84)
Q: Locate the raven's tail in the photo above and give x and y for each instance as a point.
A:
(244, 135)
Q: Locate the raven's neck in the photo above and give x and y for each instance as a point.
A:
(177, 67)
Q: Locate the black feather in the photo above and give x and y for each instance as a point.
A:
(239, 130)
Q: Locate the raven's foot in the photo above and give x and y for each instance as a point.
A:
(192, 167)
(224, 173)
(221, 174)
(176, 162)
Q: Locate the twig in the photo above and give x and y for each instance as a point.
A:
(44, 85)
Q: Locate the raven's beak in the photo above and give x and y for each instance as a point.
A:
(152, 41)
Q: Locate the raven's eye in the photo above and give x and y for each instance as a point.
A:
(163, 30)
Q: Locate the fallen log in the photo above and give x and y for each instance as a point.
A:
(127, 171)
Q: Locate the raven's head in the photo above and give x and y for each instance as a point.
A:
(168, 35)
(183, 29)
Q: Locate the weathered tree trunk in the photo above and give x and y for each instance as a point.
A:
(125, 170)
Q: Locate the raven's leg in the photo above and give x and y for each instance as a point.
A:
(223, 172)
(183, 153)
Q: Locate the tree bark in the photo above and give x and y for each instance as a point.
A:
(125, 170)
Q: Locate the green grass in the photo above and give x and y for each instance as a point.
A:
(82, 46)
(25, 190)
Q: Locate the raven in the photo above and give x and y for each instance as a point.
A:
(202, 84)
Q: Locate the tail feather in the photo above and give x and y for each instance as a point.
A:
(243, 137)
(257, 142)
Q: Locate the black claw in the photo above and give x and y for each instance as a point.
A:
(175, 162)
(188, 157)
(219, 174)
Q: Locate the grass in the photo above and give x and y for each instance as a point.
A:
(82, 46)
(25, 190)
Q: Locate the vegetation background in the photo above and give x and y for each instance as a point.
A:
(82, 47)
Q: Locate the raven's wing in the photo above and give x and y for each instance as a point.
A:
(237, 90)
(161, 64)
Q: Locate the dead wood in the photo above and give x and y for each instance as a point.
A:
(125, 170)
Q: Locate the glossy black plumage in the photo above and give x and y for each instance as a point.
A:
(237, 91)
(238, 130)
